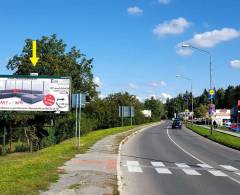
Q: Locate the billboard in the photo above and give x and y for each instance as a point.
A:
(35, 93)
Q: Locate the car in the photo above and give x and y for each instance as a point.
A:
(176, 124)
(228, 124)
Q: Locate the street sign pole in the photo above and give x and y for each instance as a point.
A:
(131, 112)
(76, 120)
(122, 109)
(79, 120)
(210, 64)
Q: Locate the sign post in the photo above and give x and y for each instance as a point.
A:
(125, 112)
(78, 101)
(211, 96)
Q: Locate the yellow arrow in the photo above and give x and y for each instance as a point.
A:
(34, 59)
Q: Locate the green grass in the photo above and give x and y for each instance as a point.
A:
(27, 173)
(222, 138)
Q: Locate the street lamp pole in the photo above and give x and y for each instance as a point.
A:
(188, 79)
(210, 71)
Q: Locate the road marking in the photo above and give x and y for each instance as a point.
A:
(184, 150)
(133, 166)
(160, 168)
(237, 181)
(231, 168)
(205, 166)
(185, 168)
(211, 170)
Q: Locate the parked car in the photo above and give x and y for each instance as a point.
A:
(176, 124)
(227, 124)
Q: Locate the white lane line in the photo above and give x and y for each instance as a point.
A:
(237, 181)
(133, 166)
(160, 168)
(231, 168)
(211, 170)
(206, 166)
(186, 169)
(183, 149)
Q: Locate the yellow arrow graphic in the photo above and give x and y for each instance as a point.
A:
(34, 59)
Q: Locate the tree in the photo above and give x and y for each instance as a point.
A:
(201, 111)
(55, 60)
(157, 108)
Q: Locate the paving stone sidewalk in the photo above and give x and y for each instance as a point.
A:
(92, 173)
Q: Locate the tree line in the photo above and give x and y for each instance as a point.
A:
(35, 130)
(224, 98)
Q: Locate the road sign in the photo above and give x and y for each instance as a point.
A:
(211, 109)
(76, 100)
(126, 111)
(211, 93)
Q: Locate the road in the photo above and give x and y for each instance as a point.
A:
(165, 161)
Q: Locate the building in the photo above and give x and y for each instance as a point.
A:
(222, 116)
(147, 113)
(235, 113)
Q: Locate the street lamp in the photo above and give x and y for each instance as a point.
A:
(210, 67)
(188, 79)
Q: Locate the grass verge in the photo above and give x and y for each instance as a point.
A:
(27, 173)
(222, 138)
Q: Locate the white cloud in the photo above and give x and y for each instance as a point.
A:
(135, 10)
(159, 84)
(101, 96)
(235, 64)
(175, 26)
(166, 96)
(211, 38)
(164, 1)
(184, 51)
(163, 96)
(139, 99)
(133, 86)
(98, 81)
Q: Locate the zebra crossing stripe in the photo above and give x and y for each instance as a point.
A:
(186, 169)
(212, 171)
(231, 168)
(160, 168)
(133, 166)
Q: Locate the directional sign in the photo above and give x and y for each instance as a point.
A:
(76, 98)
(126, 111)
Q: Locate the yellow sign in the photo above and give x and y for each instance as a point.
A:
(211, 91)
(34, 59)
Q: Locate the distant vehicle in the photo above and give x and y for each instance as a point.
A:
(228, 124)
(176, 124)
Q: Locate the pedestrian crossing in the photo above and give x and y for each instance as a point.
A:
(191, 170)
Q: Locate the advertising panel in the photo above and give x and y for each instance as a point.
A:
(35, 93)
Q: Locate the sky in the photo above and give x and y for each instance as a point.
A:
(136, 44)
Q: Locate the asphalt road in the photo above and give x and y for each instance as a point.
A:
(165, 161)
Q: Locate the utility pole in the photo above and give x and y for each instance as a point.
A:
(210, 67)
(211, 100)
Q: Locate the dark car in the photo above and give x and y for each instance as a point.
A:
(176, 124)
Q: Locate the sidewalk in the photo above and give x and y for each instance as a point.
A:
(222, 131)
(92, 173)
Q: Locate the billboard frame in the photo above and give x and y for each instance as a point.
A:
(42, 77)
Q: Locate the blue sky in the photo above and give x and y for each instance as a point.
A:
(134, 42)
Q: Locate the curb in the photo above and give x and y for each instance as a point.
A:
(119, 173)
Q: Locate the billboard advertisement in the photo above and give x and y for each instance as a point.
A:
(35, 93)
